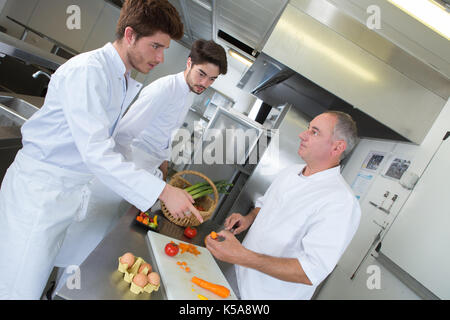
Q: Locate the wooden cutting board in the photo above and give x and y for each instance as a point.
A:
(176, 281)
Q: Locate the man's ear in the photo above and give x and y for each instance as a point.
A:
(189, 63)
(339, 147)
(129, 35)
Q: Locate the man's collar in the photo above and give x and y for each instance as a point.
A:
(336, 170)
(117, 62)
(182, 80)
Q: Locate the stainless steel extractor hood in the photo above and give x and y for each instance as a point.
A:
(331, 49)
(277, 84)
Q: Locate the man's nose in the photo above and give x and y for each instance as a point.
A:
(205, 82)
(160, 57)
(302, 135)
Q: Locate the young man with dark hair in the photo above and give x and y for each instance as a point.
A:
(144, 137)
(69, 142)
(160, 110)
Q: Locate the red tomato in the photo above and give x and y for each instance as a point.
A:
(190, 232)
(171, 249)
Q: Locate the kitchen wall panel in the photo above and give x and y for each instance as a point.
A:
(50, 18)
(21, 10)
(104, 29)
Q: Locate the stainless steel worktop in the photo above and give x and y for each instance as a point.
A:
(99, 278)
(34, 100)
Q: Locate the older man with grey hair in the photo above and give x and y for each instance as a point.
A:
(303, 223)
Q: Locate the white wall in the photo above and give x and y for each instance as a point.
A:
(368, 229)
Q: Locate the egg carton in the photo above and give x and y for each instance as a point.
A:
(131, 272)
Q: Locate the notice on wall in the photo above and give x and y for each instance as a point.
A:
(361, 184)
(397, 167)
(373, 161)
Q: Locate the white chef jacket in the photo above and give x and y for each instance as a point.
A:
(145, 132)
(311, 218)
(142, 136)
(74, 129)
(67, 143)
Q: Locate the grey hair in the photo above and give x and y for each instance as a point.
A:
(345, 129)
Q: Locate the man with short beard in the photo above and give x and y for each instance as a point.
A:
(145, 132)
(69, 142)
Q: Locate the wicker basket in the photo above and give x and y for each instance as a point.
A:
(205, 202)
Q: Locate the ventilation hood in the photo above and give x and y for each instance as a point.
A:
(277, 84)
(319, 58)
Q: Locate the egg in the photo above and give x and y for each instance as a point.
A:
(153, 278)
(140, 280)
(127, 258)
(143, 266)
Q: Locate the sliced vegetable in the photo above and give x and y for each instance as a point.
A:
(214, 288)
(213, 235)
(183, 265)
(187, 247)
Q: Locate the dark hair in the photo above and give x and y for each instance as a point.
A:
(147, 17)
(345, 129)
(203, 51)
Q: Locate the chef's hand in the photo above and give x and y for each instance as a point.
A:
(238, 222)
(179, 202)
(229, 250)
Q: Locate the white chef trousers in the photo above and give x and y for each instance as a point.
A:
(38, 202)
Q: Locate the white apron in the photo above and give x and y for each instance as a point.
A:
(32, 227)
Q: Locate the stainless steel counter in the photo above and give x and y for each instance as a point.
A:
(99, 278)
(34, 100)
